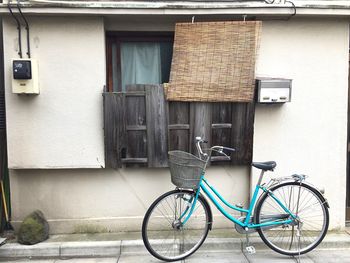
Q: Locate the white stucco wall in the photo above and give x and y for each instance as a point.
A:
(68, 133)
(106, 199)
(307, 135)
(63, 126)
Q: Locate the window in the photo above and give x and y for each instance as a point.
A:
(141, 126)
(135, 58)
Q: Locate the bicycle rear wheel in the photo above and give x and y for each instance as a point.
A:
(303, 234)
(162, 232)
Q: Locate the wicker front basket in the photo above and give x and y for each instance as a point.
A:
(185, 169)
(214, 61)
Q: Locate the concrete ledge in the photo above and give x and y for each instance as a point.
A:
(15, 250)
(133, 246)
(90, 249)
(115, 248)
(222, 244)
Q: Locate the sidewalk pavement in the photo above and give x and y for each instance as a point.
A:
(220, 246)
(319, 256)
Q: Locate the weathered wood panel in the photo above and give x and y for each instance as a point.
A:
(221, 128)
(134, 161)
(179, 126)
(221, 124)
(137, 144)
(157, 130)
(136, 121)
(114, 128)
(135, 107)
(242, 132)
(200, 123)
(179, 140)
(141, 126)
(178, 112)
(221, 112)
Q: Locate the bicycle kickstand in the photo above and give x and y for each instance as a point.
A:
(249, 249)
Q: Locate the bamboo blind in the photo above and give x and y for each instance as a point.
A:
(214, 61)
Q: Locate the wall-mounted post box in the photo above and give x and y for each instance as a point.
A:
(25, 76)
(273, 90)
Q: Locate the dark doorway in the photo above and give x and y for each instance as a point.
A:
(3, 151)
(348, 156)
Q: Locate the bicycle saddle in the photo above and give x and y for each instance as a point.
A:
(266, 166)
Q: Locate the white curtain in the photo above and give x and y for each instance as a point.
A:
(140, 63)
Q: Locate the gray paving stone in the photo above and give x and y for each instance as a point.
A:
(221, 244)
(88, 260)
(133, 246)
(30, 261)
(135, 249)
(14, 250)
(318, 256)
(136, 258)
(271, 257)
(68, 260)
(90, 249)
(330, 256)
(212, 257)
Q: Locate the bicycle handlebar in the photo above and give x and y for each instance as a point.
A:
(199, 148)
(219, 149)
(229, 149)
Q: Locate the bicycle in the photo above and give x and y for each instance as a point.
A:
(290, 215)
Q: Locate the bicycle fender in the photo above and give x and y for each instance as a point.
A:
(210, 214)
(320, 194)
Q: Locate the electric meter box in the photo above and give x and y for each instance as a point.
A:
(25, 76)
(273, 90)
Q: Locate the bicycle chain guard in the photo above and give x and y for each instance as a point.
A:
(241, 229)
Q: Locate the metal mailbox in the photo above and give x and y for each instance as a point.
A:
(273, 90)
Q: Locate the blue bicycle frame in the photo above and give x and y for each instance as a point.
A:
(208, 190)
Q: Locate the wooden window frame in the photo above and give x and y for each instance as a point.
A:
(123, 36)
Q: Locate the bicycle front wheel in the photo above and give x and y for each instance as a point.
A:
(162, 231)
(303, 234)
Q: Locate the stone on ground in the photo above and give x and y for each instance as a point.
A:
(34, 229)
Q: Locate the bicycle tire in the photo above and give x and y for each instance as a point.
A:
(163, 238)
(312, 212)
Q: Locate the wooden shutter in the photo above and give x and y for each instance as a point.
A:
(227, 124)
(221, 126)
(157, 126)
(179, 126)
(242, 132)
(114, 128)
(141, 126)
(136, 127)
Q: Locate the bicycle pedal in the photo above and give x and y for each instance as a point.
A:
(250, 250)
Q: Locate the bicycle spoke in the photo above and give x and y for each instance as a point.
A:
(311, 211)
(163, 234)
